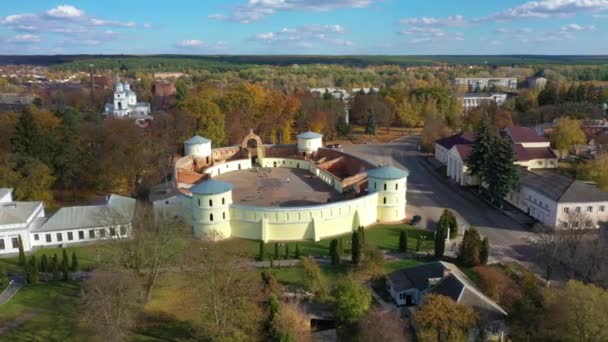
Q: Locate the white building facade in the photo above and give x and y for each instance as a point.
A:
(70, 225)
(474, 100)
(125, 102)
(486, 83)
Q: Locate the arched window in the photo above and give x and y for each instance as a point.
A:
(210, 217)
(199, 202)
(396, 186)
(224, 215)
(223, 200)
(384, 200)
(375, 185)
(384, 186)
(210, 202)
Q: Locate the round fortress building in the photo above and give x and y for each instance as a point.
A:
(282, 192)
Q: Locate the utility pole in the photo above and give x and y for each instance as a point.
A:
(92, 74)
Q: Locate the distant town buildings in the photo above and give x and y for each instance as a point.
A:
(474, 100)
(474, 84)
(13, 101)
(69, 225)
(125, 102)
(343, 95)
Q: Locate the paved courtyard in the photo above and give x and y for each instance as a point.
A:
(278, 187)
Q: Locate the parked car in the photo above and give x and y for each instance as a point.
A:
(415, 220)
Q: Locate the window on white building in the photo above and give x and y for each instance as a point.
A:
(211, 203)
(59, 237)
(578, 209)
(224, 215)
(602, 208)
(112, 231)
(102, 233)
(384, 200)
(566, 210)
(81, 235)
(384, 186)
(36, 237)
(223, 200)
(210, 217)
(70, 236)
(15, 242)
(589, 209)
(47, 237)
(123, 231)
(2, 244)
(396, 186)
(91, 234)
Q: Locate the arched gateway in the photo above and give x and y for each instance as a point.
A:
(251, 147)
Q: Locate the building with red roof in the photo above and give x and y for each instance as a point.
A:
(531, 152)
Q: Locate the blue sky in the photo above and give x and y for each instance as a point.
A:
(304, 27)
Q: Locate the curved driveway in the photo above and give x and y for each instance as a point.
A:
(429, 193)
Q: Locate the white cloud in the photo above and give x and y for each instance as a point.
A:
(190, 43)
(65, 11)
(455, 20)
(600, 16)
(147, 26)
(255, 10)
(305, 36)
(25, 38)
(576, 28)
(102, 22)
(67, 23)
(197, 45)
(548, 9)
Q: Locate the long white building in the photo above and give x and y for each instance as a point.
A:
(70, 225)
(486, 83)
(550, 198)
(474, 100)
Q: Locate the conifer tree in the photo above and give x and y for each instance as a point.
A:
(74, 267)
(333, 252)
(286, 251)
(341, 246)
(44, 267)
(470, 248)
(362, 236)
(402, 241)
(504, 176)
(55, 267)
(33, 275)
(356, 248)
(481, 155)
(297, 251)
(484, 252)
(418, 243)
(21, 252)
(370, 125)
(262, 254)
(276, 251)
(64, 266)
(440, 236)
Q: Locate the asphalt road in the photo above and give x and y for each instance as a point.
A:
(429, 194)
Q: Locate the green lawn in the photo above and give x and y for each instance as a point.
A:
(294, 276)
(383, 236)
(88, 255)
(49, 313)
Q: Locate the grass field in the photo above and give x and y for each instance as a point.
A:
(43, 312)
(88, 255)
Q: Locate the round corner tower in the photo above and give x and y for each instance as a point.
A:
(197, 146)
(211, 201)
(309, 142)
(391, 185)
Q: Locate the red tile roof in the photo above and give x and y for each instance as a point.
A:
(529, 153)
(465, 138)
(464, 151)
(521, 134)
